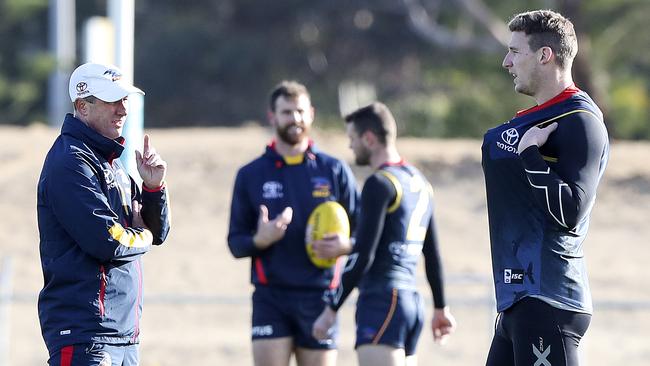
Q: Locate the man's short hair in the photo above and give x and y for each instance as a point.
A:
(89, 99)
(546, 28)
(376, 118)
(287, 89)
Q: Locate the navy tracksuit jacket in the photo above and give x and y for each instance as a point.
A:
(277, 183)
(91, 257)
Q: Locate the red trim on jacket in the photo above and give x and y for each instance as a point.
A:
(66, 355)
(564, 95)
(153, 190)
(259, 270)
(102, 290)
(338, 271)
(401, 162)
(273, 143)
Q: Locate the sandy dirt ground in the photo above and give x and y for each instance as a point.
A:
(197, 297)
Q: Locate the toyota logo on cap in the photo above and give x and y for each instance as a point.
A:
(510, 136)
(81, 87)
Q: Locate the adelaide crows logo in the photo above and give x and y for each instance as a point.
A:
(321, 187)
(113, 74)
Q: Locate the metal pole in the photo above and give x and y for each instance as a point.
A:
(94, 29)
(62, 45)
(122, 15)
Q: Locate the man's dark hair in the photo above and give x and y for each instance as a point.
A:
(287, 89)
(376, 118)
(546, 28)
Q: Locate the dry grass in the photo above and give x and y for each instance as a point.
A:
(197, 306)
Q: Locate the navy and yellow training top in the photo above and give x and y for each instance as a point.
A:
(303, 184)
(539, 202)
(395, 228)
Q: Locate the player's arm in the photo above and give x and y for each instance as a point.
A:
(433, 266)
(243, 221)
(378, 192)
(376, 196)
(349, 195)
(567, 191)
(155, 210)
(443, 322)
(82, 208)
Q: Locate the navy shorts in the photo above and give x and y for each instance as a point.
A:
(532, 332)
(392, 318)
(96, 354)
(281, 312)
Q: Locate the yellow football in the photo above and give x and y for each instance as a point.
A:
(327, 218)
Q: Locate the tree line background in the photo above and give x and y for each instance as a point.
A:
(436, 63)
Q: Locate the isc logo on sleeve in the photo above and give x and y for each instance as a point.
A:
(513, 276)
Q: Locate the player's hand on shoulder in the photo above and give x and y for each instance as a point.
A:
(332, 246)
(270, 231)
(536, 136)
(443, 324)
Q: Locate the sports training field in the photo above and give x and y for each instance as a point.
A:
(197, 296)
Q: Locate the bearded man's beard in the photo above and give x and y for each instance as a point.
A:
(292, 138)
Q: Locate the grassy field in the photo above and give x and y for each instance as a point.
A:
(197, 307)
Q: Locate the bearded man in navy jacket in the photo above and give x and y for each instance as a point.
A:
(272, 199)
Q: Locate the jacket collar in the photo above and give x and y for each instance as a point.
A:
(280, 161)
(108, 148)
(564, 95)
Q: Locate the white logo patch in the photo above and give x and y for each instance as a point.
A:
(510, 138)
(513, 276)
(272, 189)
(262, 330)
(542, 355)
(400, 250)
(109, 177)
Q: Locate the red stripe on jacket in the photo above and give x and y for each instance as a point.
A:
(66, 355)
(259, 270)
(338, 269)
(102, 290)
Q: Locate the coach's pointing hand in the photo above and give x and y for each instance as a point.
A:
(151, 167)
